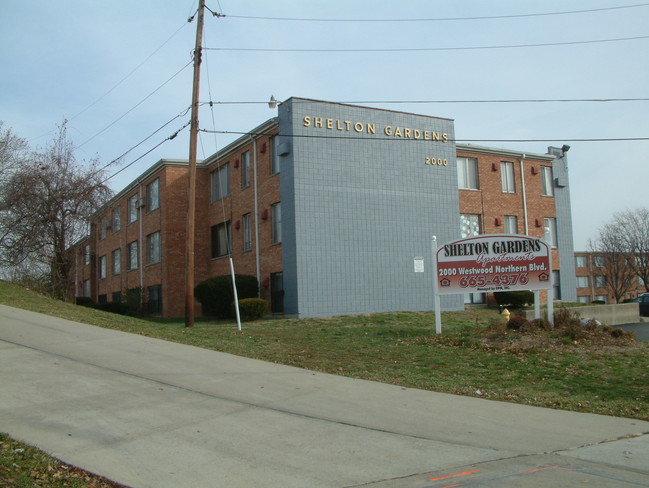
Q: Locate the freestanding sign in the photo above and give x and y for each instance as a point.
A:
(492, 263)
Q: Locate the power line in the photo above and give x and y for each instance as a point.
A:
(520, 100)
(129, 74)
(403, 139)
(134, 107)
(422, 49)
(441, 19)
(172, 136)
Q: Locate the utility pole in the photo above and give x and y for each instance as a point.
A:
(191, 190)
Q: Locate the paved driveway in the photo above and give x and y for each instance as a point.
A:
(150, 413)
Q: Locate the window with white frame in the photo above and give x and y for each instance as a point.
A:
(511, 224)
(467, 174)
(117, 219)
(469, 225)
(102, 267)
(220, 235)
(103, 229)
(581, 261)
(133, 260)
(117, 261)
(245, 169)
(276, 222)
(601, 298)
(86, 288)
(582, 282)
(86, 255)
(132, 209)
(583, 299)
(153, 248)
(600, 281)
(274, 157)
(550, 231)
(547, 181)
(153, 195)
(247, 233)
(220, 182)
(507, 177)
(598, 261)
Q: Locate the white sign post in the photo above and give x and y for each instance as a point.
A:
(492, 263)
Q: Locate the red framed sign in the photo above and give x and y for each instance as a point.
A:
(495, 262)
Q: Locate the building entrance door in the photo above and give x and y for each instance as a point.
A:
(277, 292)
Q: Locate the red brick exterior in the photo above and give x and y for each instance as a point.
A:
(170, 219)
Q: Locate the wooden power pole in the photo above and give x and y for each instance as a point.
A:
(191, 190)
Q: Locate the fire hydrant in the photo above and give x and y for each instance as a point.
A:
(505, 315)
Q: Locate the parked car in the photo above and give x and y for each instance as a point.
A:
(643, 303)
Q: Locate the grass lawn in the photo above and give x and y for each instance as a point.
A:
(595, 373)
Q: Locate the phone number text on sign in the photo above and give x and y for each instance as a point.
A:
(493, 263)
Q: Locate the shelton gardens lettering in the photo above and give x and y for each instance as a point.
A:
(497, 248)
(370, 128)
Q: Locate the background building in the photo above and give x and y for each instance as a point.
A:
(329, 205)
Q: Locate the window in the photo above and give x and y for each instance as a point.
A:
(548, 186)
(102, 267)
(245, 169)
(117, 297)
(132, 255)
(132, 209)
(247, 234)
(469, 225)
(600, 281)
(220, 239)
(117, 220)
(102, 299)
(274, 156)
(153, 195)
(153, 248)
(550, 234)
(86, 255)
(598, 261)
(117, 261)
(221, 182)
(583, 300)
(276, 221)
(467, 173)
(581, 261)
(155, 299)
(103, 226)
(601, 298)
(582, 281)
(507, 177)
(86, 288)
(511, 224)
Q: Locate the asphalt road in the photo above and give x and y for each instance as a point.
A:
(149, 413)
(640, 329)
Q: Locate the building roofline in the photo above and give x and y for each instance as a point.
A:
(312, 100)
(503, 152)
(262, 129)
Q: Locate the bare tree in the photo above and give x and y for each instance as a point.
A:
(633, 227)
(45, 206)
(610, 247)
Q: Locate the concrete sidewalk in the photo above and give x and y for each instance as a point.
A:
(149, 413)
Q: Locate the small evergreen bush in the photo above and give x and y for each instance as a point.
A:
(251, 308)
(514, 298)
(113, 307)
(84, 301)
(216, 295)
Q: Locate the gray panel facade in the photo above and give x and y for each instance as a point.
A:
(565, 241)
(360, 203)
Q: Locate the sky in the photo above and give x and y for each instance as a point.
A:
(120, 73)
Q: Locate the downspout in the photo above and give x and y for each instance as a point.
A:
(525, 218)
(256, 197)
(141, 245)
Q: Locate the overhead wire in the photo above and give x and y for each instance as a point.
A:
(422, 49)
(134, 107)
(439, 19)
(520, 100)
